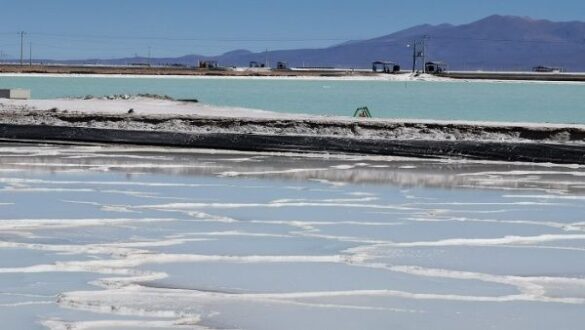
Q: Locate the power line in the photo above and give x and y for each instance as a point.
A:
(113, 48)
(117, 37)
(161, 38)
(295, 39)
(510, 40)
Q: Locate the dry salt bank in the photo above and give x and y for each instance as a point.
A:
(179, 215)
(162, 121)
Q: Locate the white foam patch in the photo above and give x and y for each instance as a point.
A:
(116, 165)
(240, 160)
(41, 224)
(574, 226)
(16, 189)
(418, 296)
(329, 182)
(154, 243)
(55, 324)
(507, 240)
(117, 156)
(206, 217)
(236, 233)
(164, 297)
(27, 303)
(185, 299)
(533, 286)
(187, 206)
(310, 224)
(132, 193)
(129, 258)
(331, 200)
(487, 204)
(26, 295)
(290, 171)
(343, 167)
(117, 209)
(310, 229)
(563, 197)
(361, 194)
(523, 173)
(126, 255)
(106, 208)
(106, 183)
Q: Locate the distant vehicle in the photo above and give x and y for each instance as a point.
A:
(542, 68)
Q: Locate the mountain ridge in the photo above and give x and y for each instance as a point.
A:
(496, 42)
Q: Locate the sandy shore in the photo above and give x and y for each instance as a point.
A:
(245, 74)
(402, 77)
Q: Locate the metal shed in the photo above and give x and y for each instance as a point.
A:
(434, 67)
(385, 67)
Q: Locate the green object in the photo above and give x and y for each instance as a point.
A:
(362, 112)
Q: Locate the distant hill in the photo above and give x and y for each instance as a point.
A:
(494, 43)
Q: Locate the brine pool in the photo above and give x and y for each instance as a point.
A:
(454, 100)
(96, 237)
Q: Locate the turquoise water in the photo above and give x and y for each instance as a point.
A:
(515, 102)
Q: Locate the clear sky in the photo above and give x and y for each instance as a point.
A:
(115, 28)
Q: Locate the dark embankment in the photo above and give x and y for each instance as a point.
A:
(555, 144)
(506, 151)
(519, 76)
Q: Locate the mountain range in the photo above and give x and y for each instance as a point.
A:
(493, 43)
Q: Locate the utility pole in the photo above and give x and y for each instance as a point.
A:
(22, 33)
(419, 51)
(149, 50)
(30, 53)
(424, 53)
(414, 56)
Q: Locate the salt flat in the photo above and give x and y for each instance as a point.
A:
(96, 237)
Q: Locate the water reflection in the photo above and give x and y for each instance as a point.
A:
(333, 169)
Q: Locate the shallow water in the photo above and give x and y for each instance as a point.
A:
(112, 237)
(513, 102)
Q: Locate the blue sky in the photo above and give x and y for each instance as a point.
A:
(116, 28)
